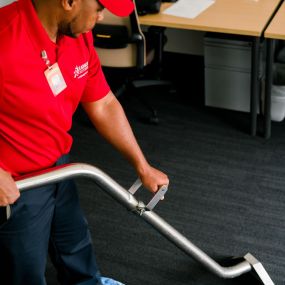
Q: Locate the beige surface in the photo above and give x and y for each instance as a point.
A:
(276, 29)
(243, 17)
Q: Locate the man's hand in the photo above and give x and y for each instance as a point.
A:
(153, 179)
(8, 189)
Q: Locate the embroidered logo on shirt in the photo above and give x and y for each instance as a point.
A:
(81, 70)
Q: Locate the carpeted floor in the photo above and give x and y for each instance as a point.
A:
(226, 193)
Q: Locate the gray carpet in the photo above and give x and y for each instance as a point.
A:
(226, 194)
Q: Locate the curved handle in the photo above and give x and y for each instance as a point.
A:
(159, 195)
(73, 170)
(67, 171)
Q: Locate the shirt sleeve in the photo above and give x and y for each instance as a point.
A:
(1, 82)
(97, 86)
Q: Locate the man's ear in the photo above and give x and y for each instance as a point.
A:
(68, 4)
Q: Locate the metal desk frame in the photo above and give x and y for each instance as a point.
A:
(246, 18)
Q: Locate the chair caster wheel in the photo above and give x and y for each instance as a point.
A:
(150, 120)
(153, 120)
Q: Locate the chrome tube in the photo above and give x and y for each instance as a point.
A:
(190, 249)
(74, 170)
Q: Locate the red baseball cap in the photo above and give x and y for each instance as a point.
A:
(121, 8)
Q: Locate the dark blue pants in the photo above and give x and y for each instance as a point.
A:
(47, 220)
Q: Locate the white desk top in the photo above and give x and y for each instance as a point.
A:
(242, 17)
(276, 29)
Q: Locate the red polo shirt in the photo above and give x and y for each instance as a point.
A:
(34, 123)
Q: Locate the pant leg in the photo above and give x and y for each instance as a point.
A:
(24, 238)
(71, 249)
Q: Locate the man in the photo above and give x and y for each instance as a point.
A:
(47, 67)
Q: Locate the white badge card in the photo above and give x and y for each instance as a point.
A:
(55, 79)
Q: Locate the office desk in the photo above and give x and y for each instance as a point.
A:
(239, 17)
(275, 31)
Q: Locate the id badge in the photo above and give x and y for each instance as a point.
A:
(55, 79)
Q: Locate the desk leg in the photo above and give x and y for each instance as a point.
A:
(254, 83)
(268, 86)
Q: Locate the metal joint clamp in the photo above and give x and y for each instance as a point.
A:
(159, 195)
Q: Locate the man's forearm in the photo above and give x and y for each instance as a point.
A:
(110, 120)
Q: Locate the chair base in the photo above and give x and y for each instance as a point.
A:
(134, 91)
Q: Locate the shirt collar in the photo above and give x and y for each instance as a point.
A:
(34, 26)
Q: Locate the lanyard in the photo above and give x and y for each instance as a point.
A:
(45, 59)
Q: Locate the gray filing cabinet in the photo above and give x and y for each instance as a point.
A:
(227, 71)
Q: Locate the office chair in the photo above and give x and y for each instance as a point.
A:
(123, 48)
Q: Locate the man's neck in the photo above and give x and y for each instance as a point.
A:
(48, 17)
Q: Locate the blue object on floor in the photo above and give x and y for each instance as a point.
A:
(109, 281)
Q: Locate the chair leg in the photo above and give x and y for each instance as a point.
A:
(130, 91)
(137, 93)
(121, 90)
(136, 89)
(153, 118)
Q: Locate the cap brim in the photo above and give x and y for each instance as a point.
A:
(121, 8)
